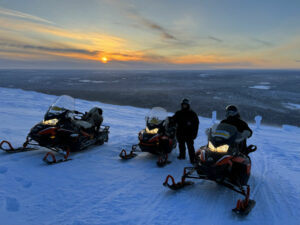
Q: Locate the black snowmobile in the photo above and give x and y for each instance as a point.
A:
(157, 138)
(64, 130)
(222, 161)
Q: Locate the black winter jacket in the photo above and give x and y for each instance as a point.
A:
(187, 124)
(238, 123)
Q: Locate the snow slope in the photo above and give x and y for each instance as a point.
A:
(96, 187)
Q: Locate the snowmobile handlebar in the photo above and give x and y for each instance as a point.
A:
(77, 112)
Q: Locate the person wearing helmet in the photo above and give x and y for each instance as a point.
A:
(233, 118)
(187, 129)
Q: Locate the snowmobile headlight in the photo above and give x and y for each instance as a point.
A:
(221, 149)
(52, 122)
(153, 131)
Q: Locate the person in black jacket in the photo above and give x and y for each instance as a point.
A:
(187, 129)
(233, 118)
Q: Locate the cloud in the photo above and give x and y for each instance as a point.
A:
(50, 49)
(262, 42)
(21, 15)
(135, 15)
(46, 37)
(132, 13)
(23, 50)
(215, 39)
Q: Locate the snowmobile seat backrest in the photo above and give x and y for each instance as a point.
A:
(94, 116)
(83, 124)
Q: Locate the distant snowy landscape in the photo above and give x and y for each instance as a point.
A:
(262, 87)
(96, 187)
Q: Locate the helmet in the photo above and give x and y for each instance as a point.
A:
(232, 110)
(185, 101)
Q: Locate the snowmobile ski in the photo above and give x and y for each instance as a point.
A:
(163, 161)
(54, 160)
(176, 186)
(182, 183)
(243, 207)
(11, 149)
(246, 210)
(123, 154)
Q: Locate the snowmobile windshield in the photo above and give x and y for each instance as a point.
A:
(155, 118)
(223, 134)
(61, 105)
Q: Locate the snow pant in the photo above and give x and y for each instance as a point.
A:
(190, 144)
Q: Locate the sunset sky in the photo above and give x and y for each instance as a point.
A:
(152, 34)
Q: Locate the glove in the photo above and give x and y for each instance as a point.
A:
(207, 131)
(246, 134)
(242, 136)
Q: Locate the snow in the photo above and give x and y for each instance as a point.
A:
(98, 81)
(262, 87)
(96, 187)
(203, 75)
(292, 106)
(264, 83)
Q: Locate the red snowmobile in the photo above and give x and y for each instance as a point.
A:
(64, 130)
(222, 161)
(157, 138)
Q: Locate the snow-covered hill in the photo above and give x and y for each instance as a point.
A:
(96, 187)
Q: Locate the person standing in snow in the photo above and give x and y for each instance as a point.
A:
(233, 118)
(187, 129)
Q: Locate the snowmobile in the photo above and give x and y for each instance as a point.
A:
(64, 130)
(222, 160)
(157, 138)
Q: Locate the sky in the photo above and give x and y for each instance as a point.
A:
(152, 34)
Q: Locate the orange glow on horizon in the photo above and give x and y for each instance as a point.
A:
(104, 59)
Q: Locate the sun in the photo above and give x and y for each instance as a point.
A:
(104, 59)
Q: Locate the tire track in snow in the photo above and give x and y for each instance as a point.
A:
(12, 204)
(263, 173)
(269, 191)
(3, 169)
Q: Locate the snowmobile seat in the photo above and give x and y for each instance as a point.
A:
(83, 124)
